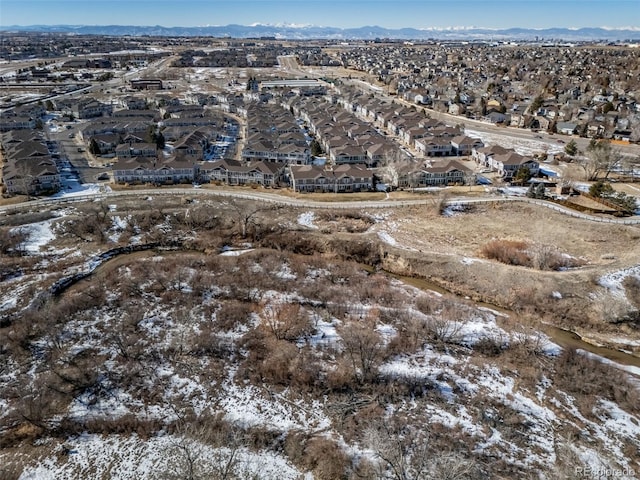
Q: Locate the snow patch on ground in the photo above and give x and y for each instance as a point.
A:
(235, 253)
(40, 234)
(523, 146)
(306, 220)
(77, 189)
(386, 238)
(250, 406)
(613, 280)
(131, 458)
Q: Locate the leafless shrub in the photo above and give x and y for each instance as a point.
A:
(413, 334)
(191, 458)
(91, 225)
(24, 218)
(613, 309)
(529, 342)
(427, 304)
(444, 330)
(295, 242)
(439, 203)
(399, 451)
(538, 256)
(233, 313)
(491, 345)
(364, 348)
(319, 454)
(286, 321)
(326, 459)
(631, 286)
(11, 241)
(579, 374)
(548, 257)
(511, 252)
(339, 378)
(351, 221)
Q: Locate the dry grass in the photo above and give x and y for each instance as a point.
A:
(465, 234)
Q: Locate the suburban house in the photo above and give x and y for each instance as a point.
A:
(508, 164)
(28, 167)
(567, 128)
(8, 123)
(136, 150)
(448, 172)
(90, 109)
(284, 153)
(483, 155)
(151, 170)
(192, 146)
(342, 178)
(463, 145)
(434, 146)
(233, 172)
(349, 153)
(31, 176)
(106, 143)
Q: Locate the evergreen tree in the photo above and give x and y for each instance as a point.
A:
(540, 191)
(571, 148)
(316, 149)
(523, 175)
(93, 147)
(160, 142)
(531, 193)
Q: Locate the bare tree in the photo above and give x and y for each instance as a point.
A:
(600, 158)
(405, 455)
(363, 346)
(202, 452)
(392, 164)
(286, 321)
(247, 213)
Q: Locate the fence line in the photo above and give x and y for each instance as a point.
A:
(298, 203)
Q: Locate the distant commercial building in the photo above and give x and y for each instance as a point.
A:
(146, 84)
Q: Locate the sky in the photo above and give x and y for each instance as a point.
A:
(334, 13)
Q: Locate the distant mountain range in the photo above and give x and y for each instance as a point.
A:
(307, 32)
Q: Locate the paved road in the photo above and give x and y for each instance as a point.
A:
(301, 203)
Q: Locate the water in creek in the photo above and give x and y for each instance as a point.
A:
(562, 337)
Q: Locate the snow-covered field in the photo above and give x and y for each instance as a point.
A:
(521, 145)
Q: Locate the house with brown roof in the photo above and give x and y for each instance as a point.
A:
(483, 155)
(28, 167)
(152, 170)
(31, 176)
(232, 172)
(434, 146)
(136, 150)
(341, 178)
(442, 173)
(464, 145)
(508, 164)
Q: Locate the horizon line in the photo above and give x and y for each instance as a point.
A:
(460, 28)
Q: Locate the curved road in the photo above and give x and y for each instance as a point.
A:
(299, 203)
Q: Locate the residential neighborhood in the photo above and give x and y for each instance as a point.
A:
(319, 253)
(181, 122)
